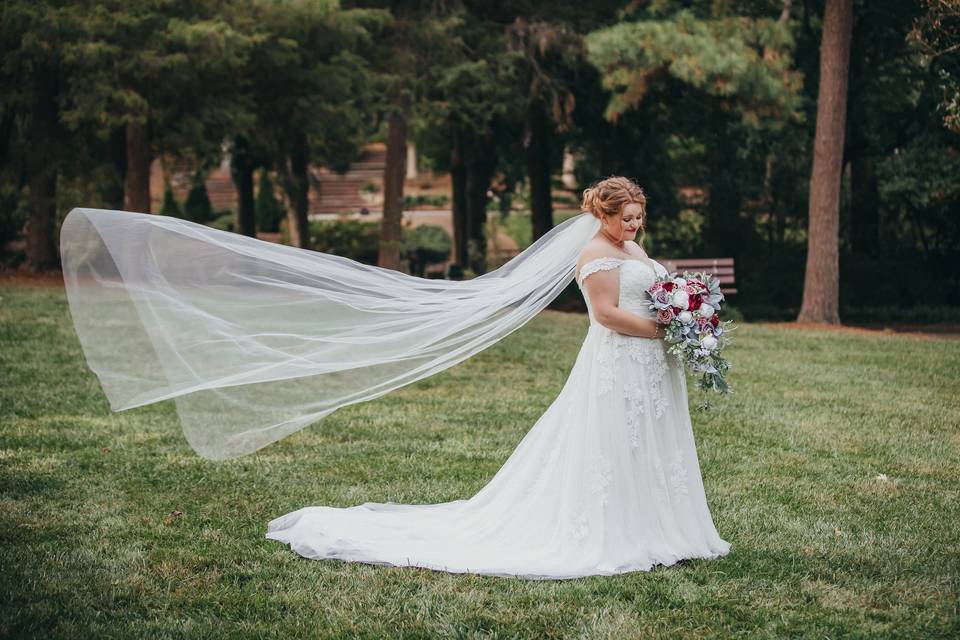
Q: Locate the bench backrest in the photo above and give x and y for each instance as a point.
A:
(720, 268)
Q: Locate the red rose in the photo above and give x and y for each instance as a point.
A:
(714, 319)
(695, 302)
(668, 286)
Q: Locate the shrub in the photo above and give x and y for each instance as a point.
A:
(355, 239)
(424, 245)
(170, 206)
(197, 207)
(412, 202)
(225, 221)
(360, 240)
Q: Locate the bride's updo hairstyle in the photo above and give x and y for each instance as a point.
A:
(608, 197)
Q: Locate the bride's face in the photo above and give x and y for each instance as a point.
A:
(627, 224)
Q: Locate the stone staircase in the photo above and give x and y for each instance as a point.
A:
(330, 192)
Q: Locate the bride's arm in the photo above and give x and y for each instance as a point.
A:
(603, 287)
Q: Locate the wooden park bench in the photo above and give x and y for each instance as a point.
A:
(720, 268)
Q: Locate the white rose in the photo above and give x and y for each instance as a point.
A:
(706, 310)
(679, 299)
(680, 282)
(685, 317)
(708, 343)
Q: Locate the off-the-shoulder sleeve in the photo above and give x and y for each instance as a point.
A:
(598, 264)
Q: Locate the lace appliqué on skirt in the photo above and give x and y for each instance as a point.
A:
(608, 351)
(651, 356)
(579, 527)
(678, 475)
(635, 409)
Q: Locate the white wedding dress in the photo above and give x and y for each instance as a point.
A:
(607, 481)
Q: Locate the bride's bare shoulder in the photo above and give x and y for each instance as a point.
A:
(592, 250)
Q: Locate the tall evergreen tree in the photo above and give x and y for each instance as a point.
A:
(32, 40)
(309, 59)
(734, 78)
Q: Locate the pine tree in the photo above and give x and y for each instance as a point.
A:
(170, 206)
(197, 208)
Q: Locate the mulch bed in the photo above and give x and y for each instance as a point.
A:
(22, 278)
(923, 331)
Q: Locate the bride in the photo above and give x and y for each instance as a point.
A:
(255, 341)
(607, 480)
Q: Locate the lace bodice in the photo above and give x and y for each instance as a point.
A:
(636, 277)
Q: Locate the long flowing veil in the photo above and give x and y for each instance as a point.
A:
(256, 340)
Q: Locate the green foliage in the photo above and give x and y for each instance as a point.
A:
(355, 239)
(920, 193)
(517, 225)
(413, 202)
(268, 210)
(680, 237)
(360, 240)
(707, 98)
(225, 221)
(170, 66)
(936, 37)
(721, 57)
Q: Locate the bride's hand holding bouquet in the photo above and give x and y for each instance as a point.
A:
(688, 309)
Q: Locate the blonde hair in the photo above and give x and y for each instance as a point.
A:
(609, 196)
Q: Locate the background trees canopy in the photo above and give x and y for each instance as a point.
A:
(711, 106)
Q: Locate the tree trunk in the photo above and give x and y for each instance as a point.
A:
(458, 179)
(297, 186)
(821, 300)
(42, 179)
(136, 196)
(480, 167)
(116, 160)
(391, 225)
(538, 170)
(241, 172)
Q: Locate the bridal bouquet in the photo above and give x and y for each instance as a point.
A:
(688, 306)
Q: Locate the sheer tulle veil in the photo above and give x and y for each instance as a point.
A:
(255, 340)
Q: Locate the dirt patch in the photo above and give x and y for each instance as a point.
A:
(922, 331)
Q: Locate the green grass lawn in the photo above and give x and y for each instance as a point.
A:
(821, 547)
